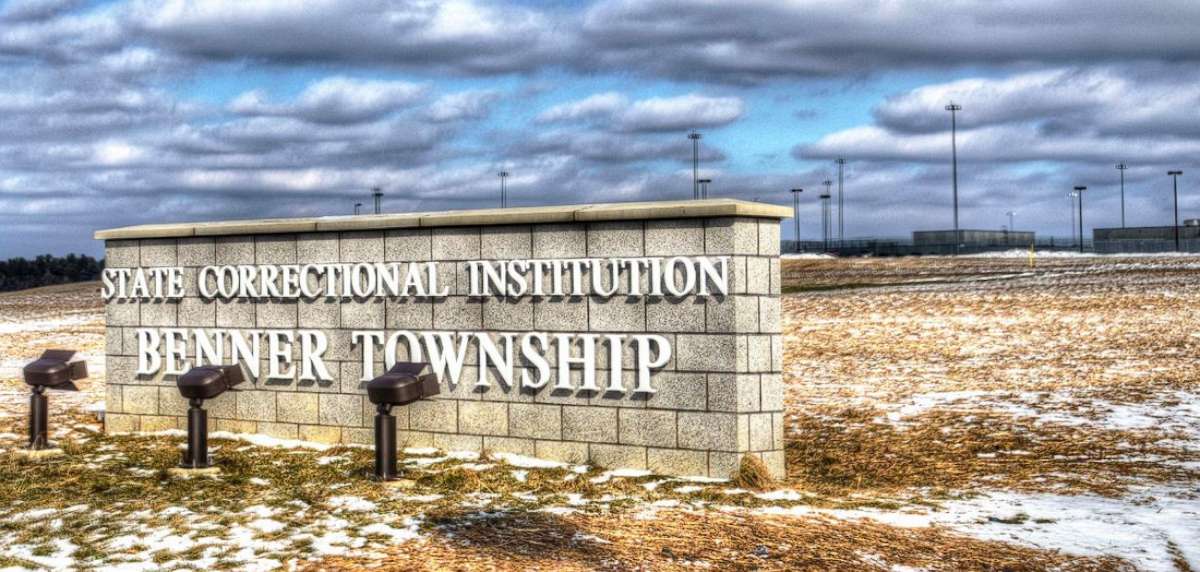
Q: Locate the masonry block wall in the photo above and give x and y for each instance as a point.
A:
(720, 397)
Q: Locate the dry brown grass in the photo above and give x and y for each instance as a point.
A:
(681, 540)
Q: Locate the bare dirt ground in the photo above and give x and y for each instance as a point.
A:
(969, 414)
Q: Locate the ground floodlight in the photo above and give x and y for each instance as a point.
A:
(404, 383)
(197, 385)
(56, 369)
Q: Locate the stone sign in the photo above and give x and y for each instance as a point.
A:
(636, 335)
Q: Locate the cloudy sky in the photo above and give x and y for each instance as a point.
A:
(129, 112)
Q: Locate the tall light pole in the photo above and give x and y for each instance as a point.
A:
(503, 189)
(377, 193)
(1010, 215)
(1071, 195)
(825, 219)
(841, 163)
(954, 108)
(1121, 167)
(695, 137)
(357, 208)
(1175, 176)
(796, 214)
(1080, 189)
(704, 188)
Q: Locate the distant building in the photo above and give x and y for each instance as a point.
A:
(942, 241)
(1148, 238)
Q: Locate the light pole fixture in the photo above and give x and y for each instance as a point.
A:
(403, 383)
(1079, 189)
(1071, 195)
(377, 194)
(704, 188)
(695, 137)
(825, 218)
(197, 385)
(954, 108)
(503, 189)
(796, 214)
(1175, 184)
(841, 163)
(357, 208)
(55, 369)
(1010, 215)
(1121, 167)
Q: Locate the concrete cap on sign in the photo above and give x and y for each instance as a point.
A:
(481, 217)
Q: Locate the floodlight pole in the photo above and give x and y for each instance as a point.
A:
(1011, 224)
(1071, 195)
(1079, 189)
(1175, 184)
(503, 189)
(357, 208)
(954, 108)
(1121, 167)
(695, 137)
(704, 188)
(796, 214)
(841, 163)
(377, 193)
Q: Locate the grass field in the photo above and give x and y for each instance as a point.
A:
(943, 414)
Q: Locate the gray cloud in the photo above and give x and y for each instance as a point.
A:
(335, 100)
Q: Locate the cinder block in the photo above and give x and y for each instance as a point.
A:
(675, 314)
(680, 237)
(319, 313)
(768, 237)
(358, 436)
(559, 241)
(729, 314)
(276, 313)
(158, 252)
(414, 439)
(409, 314)
(234, 313)
(275, 249)
(114, 424)
(128, 313)
(159, 313)
(158, 423)
(114, 339)
(617, 456)
(560, 315)
(197, 312)
(776, 278)
(234, 250)
(237, 426)
(256, 405)
(589, 424)
(170, 402)
(561, 451)
(449, 442)
(737, 275)
(723, 465)
(112, 399)
(647, 427)
(364, 314)
(483, 417)
(769, 315)
(776, 352)
(772, 391)
(458, 313)
(120, 370)
(320, 434)
(361, 246)
(758, 275)
(537, 421)
(706, 352)
(760, 432)
(512, 445)
(196, 252)
(777, 430)
(140, 399)
(407, 244)
(340, 409)
(733, 392)
(456, 243)
(620, 238)
(223, 406)
(434, 415)
(279, 430)
(297, 408)
(317, 248)
(709, 431)
(729, 236)
(121, 254)
(758, 353)
(506, 242)
(678, 462)
(776, 464)
(678, 391)
(616, 314)
(508, 314)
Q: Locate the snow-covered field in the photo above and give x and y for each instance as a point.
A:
(970, 414)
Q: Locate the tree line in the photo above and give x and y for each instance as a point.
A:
(46, 270)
